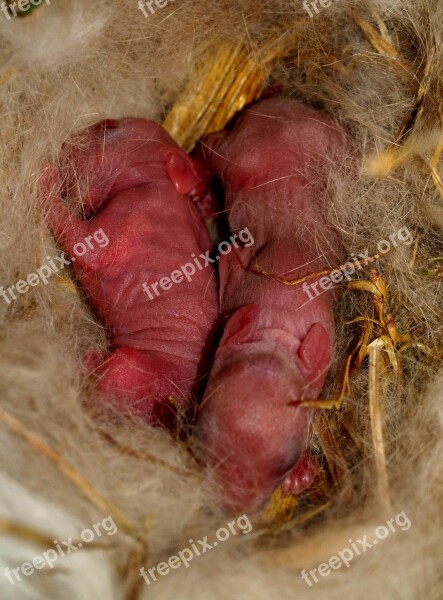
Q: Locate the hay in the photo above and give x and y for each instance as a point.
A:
(376, 66)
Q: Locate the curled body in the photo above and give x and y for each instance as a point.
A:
(142, 191)
(277, 344)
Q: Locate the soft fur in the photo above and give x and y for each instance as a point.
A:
(70, 64)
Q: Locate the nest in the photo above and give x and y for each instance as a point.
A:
(376, 67)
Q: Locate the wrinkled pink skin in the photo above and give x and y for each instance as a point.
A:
(142, 191)
(277, 345)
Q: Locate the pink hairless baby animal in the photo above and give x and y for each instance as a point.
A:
(277, 343)
(141, 190)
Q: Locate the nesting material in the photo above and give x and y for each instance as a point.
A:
(376, 67)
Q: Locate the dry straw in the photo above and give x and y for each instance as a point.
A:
(376, 67)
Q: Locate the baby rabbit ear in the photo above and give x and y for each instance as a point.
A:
(184, 174)
(315, 351)
(242, 325)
